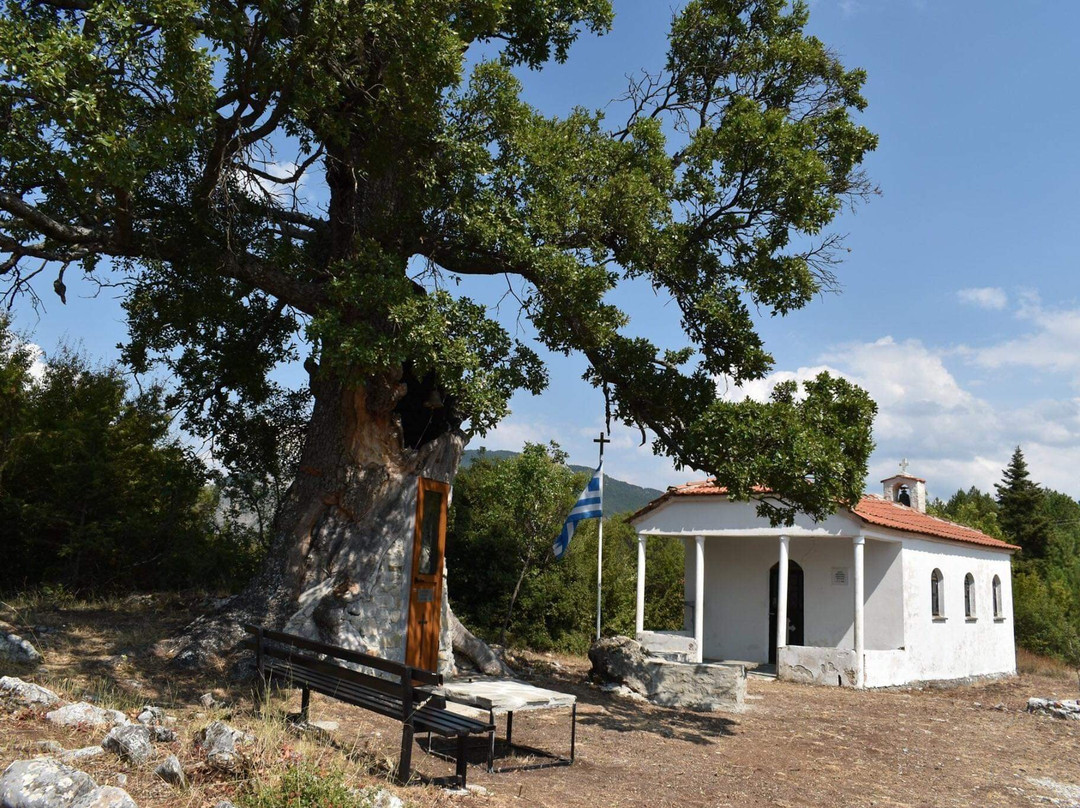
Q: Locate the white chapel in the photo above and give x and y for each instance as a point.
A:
(881, 594)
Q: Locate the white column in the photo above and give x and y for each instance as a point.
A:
(699, 597)
(639, 620)
(860, 617)
(782, 597)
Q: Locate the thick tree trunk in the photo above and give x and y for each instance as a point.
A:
(339, 562)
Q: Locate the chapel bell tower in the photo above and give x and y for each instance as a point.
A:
(904, 489)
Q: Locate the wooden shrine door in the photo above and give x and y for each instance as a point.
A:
(425, 588)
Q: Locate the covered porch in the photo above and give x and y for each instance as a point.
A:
(837, 592)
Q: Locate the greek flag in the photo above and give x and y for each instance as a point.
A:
(588, 506)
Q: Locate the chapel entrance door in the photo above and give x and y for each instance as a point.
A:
(794, 606)
(425, 587)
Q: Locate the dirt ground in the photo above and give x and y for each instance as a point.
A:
(794, 745)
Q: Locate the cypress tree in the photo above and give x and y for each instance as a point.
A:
(1020, 511)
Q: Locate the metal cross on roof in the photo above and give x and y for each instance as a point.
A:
(903, 466)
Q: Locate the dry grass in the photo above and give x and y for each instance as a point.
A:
(1034, 664)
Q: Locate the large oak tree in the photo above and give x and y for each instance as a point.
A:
(142, 143)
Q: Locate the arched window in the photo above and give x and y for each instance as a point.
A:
(999, 610)
(937, 594)
(969, 595)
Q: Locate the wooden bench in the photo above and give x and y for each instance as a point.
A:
(396, 691)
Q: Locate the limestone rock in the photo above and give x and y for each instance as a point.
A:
(1069, 709)
(163, 734)
(220, 742)
(172, 772)
(14, 648)
(384, 798)
(131, 743)
(86, 753)
(105, 797)
(224, 804)
(669, 684)
(622, 691)
(151, 716)
(49, 747)
(207, 700)
(42, 783)
(14, 692)
(620, 660)
(84, 714)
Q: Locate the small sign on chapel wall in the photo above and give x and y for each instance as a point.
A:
(839, 576)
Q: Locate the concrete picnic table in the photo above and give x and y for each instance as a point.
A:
(506, 697)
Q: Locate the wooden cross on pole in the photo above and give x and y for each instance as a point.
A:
(602, 440)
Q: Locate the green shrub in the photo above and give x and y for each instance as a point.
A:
(305, 785)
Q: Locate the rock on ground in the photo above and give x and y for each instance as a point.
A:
(43, 783)
(86, 753)
(16, 692)
(384, 798)
(84, 714)
(172, 772)
(669, 684)
(14, 648)
(1059, 709)
(105, 797)
(220, 741)
(132, 743)
(151, 716)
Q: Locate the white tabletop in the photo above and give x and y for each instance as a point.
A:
(505, 695)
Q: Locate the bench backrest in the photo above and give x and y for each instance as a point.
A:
(397, 681)
(395, 669)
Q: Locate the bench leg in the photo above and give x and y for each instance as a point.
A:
(510, 730)
(573, 730)
(305, 702)
(404, 771)
(462, 761)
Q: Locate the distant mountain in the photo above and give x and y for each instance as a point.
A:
(619, 496)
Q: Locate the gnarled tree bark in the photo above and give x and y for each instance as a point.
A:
(342, 538)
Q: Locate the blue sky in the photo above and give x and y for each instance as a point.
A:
(958, 310)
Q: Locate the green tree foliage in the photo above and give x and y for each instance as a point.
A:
(95, 493)
(506, 514)
(151, 134)
(1020, 508)
(505, 517)
(972, 508)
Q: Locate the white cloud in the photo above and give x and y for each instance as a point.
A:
(37, 365)
(985, 297)
(512, 434)
(951, 436)
(1053, 344)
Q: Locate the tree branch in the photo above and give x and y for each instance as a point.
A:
(71, 234)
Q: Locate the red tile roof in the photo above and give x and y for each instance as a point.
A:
(871, 510)
(885, 513)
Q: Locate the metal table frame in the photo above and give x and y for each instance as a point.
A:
(493, 710)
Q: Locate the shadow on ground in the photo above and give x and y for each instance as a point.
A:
(619, 714)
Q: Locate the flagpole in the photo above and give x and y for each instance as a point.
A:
(600, 537)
